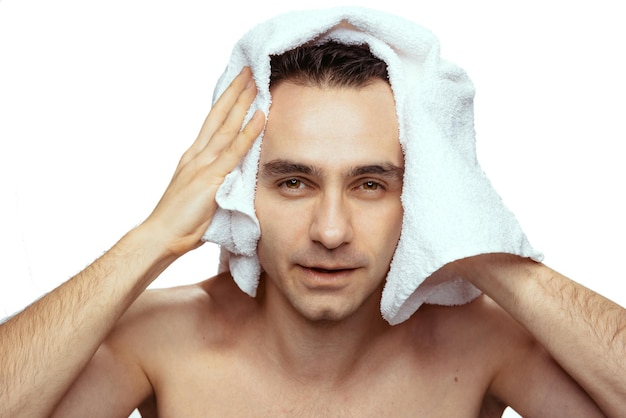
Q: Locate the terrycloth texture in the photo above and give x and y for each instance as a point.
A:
(451, 211)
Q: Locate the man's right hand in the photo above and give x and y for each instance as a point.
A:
(187, 207)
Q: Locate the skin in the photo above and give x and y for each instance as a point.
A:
(312, 343)
(329, 227)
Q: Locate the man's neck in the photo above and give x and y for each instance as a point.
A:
(318, 351)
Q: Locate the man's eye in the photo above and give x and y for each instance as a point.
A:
(371, 185)
(293, 184)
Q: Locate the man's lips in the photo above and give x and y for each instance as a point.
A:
(327, 277)
(329, 269)
(325, 273)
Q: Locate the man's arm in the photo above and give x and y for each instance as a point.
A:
(45, 347)
(584, 332)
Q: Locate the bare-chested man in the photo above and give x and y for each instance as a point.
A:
(313, 342)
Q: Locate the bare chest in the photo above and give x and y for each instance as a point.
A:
(233, 389)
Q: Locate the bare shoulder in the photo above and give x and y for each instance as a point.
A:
(485, 334)
(474, 343)
(516, 370)
(180, 315)
(480, 321)
(154, 338)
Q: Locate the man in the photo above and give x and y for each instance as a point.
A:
(312, 343)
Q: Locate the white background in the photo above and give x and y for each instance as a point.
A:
(99, 99)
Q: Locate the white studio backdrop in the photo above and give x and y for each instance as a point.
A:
(98, 100)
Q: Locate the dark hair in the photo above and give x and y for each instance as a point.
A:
(330, 64)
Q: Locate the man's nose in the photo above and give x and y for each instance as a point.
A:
(332, 221)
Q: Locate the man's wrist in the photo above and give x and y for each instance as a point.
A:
(144, 247)
(500, 274)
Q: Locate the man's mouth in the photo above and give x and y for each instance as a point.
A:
(327, 277)
(330, 269)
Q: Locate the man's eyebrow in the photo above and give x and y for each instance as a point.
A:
(384, 169)
(281, 167)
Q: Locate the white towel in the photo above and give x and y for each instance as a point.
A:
(451, 211)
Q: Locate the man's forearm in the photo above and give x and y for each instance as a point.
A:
(583, 331)
(45, 347)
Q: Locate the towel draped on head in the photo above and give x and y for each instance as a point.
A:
(451, 210)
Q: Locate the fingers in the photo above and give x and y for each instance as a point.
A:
(188, 204)
(231, 126)
(237, 148)
(226, 115)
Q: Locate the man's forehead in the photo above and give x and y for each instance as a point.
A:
(344, 113)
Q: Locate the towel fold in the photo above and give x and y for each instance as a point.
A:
(451, 210)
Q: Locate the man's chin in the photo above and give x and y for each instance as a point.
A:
(325, 317)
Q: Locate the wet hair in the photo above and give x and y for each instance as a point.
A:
(331, 64)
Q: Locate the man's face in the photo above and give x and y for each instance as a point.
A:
(328, 196)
